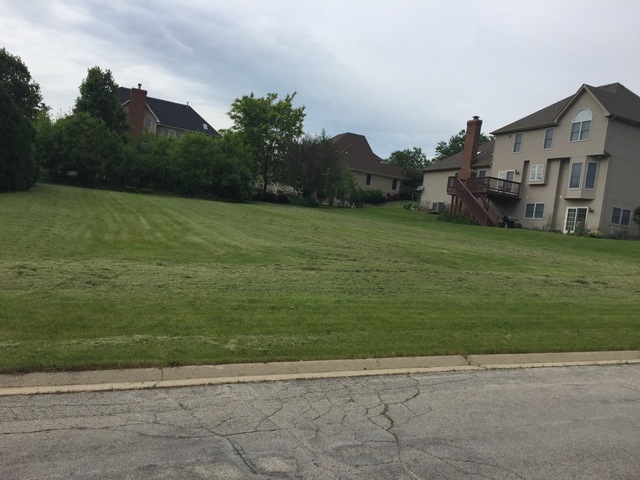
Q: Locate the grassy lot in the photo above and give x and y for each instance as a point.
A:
(95, 279)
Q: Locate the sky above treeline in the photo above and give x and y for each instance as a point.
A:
(404, 73)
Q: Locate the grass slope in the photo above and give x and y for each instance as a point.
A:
(95, 279)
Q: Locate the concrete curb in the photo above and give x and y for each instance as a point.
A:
(142, 378)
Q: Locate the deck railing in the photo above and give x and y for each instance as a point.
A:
(488, 186)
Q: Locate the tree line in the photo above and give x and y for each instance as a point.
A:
(90, 147)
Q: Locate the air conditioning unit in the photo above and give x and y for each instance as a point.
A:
(437, 207)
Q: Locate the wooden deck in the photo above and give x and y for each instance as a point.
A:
(490, 186)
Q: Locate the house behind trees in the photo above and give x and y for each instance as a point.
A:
(368, 170)
(160, 117)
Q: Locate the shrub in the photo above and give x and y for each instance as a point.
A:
(373, 196)
(266, 197)
(620, 234)
(305, 201)
(446, 216)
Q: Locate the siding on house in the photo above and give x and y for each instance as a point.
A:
(365, 165)
(623, 179)
(554, 191)
(434, 182)
(610, 158)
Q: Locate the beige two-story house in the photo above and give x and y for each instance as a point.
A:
(572, 165)
(368, 169)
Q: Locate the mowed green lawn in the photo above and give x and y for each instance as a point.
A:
(97, 279)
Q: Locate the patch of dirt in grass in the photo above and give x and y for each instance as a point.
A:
(115, 341)
(264, 343)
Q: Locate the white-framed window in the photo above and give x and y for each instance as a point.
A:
(536, 174)
(147, 122)
(581, 126)
(534, 210)
(548, 139)
(517, 142)
(482, 173)
(575, 175)
(394, 184)
(368, 182)
(590, 176)
(621, 216)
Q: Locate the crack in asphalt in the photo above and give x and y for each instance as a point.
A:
(356, 428)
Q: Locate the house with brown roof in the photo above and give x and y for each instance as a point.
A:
(368, 169)
(160, 117)
(571, 166)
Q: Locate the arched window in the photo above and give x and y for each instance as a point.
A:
(581, 126)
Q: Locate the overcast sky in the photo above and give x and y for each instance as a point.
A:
(403, 73)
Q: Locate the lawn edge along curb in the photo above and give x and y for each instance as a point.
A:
(197, 375)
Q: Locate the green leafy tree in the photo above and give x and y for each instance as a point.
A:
(412, 161)
(268, 126)
(455, 145)
(82, 150)
(347, 189)
(193, 165)
(17, 169)
(99, 98)
(16, 79)
(20, 104)
(153, 167)
(312, 166)
(233, 171)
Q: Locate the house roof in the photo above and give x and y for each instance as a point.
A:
(618, 102)
(171, 114)
(454, 162)
(357, 155)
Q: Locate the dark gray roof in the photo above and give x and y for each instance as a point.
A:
(454, 162)
(171, 114)
(357, 155)
(618, 101)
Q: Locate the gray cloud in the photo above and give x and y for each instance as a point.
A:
(404, 73)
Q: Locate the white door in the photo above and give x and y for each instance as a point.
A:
(576, 218)
(506, 175)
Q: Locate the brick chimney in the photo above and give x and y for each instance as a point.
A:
(470, 150)
(137, 103)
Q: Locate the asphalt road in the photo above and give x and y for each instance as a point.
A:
(542, 423)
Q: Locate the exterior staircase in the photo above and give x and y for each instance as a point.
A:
(477, 206)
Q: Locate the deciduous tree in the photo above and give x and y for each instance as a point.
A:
(312, 166)
(455, 145)
(99, 98)
(268, 126)
(15, 77)
(412, 161)
(20, 104)
(82, 150)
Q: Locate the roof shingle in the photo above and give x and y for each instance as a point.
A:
(171, 114)
(454, 162)
(617, 100)
(357, 155)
